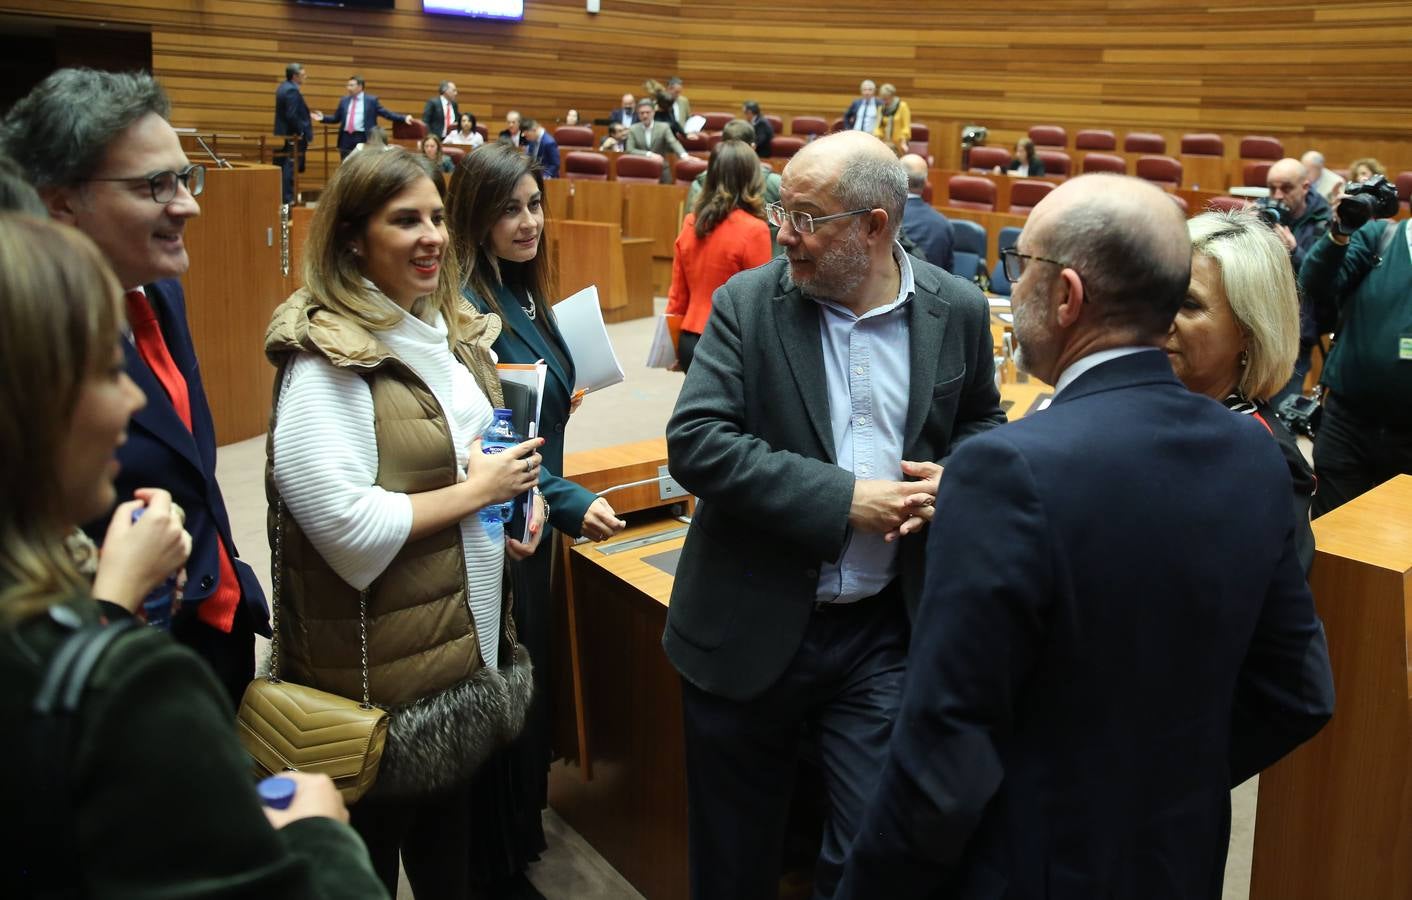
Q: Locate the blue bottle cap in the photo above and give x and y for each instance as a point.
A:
(503, 413)
(277, 792)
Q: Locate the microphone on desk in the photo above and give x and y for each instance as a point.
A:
(220, 163)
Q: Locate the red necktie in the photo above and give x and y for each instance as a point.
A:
(449, 126)
(218, 610)
(348, 126)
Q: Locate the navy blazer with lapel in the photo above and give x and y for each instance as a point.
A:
(161, 452)
(546, 151)
(1115, 630)
(930, 231)
(372, 108)
(521, 342)
(292, 112)
(751, 438)
(435, 119)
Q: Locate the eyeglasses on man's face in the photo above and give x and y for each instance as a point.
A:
(802, 221)
(1015, 262)
(164, 184)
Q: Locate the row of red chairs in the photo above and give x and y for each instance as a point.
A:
(630, 169)
(1195, 144)
(802, 130)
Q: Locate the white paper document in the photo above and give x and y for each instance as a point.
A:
(663, 353)
(694, 124)
(581, 323)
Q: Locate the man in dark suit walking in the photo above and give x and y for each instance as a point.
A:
(441, 114)
(826, 390)
(540, 145)
(292, 117)
(1115, 628)
(357, 112)
(133, 196)
(928, 229)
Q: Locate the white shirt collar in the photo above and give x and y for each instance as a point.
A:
(1080, 366)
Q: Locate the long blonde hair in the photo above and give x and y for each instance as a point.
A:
(364, 184)
(59, 315)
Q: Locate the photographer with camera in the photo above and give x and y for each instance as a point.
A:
(1298, 217)
(1364, 267)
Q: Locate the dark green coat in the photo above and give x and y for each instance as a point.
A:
(166, 804)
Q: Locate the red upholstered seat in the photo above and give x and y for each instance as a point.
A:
(1105, 162)
(808, 126)
(696, 142)
(921, 133)
(687, 169)
(454, 152)
(836, 125)
(1144, 142)
(1256, 174)
(1404, 187)
(587, 165)
(1203, 145)
(1160, 170)
(1049, 136)
(786, 146)
(1226, 204)
(986, 158)
(1025, 194)
(713, 140)
(1095, 139)
(636, 169)
(715, 121)
(1177, 199)
(971, 192)
(1056, 162)
(574, 136)
(482, 131)
(776, 123)
(403, 131)
(1261, 147)
(927, 192)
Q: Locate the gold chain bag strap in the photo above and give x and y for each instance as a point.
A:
(286, 726)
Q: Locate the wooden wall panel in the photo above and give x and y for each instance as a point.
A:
(1336, 75)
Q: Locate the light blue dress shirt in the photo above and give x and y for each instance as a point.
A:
(867, 368)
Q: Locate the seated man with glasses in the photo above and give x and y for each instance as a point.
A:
(98, 148)
(827, 389)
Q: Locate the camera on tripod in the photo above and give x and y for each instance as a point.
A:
(1375, 198)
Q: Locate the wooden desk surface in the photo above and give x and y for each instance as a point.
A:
(627, 565)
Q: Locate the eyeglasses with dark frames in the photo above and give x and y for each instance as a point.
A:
(1015, 262)
(164, 184)
(803, 222)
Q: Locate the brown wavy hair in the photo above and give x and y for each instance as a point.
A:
(733, 181)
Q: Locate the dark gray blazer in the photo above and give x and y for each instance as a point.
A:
(751, 438)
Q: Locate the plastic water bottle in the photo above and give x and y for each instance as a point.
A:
(497, 438)
(157, 607)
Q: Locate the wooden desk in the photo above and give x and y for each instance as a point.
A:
(599, 201)
(1334, 818)
(558, 193)
(654, 211)
(234, 284)
(596, 253)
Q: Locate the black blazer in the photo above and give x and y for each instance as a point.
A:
(436, 121)
(931, 232)
(1036, 171)
(752, 439)
(1115, 631)
(291, 112)
(161, 452)
(764, 135)
(626, 116)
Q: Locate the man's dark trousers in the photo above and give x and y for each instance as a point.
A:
(839, 697)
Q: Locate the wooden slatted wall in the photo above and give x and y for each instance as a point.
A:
(1335, 74)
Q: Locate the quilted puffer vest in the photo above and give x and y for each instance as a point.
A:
(424, 662)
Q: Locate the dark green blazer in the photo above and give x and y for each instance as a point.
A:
(163, 795)
(521, 342)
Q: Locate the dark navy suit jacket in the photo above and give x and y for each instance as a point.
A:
(291, 112)
(161, 452)
(372, 108)
(1114, 630)
(546, 150)
(931, 232)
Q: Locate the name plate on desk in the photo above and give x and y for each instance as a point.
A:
(638, 543)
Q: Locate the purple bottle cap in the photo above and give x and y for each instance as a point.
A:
(277, 792)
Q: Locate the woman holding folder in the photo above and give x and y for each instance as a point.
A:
(724, 234)
(495, 208)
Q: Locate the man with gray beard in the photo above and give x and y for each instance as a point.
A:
(825, 394)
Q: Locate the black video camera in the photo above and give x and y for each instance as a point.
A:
(1273, 212)
(1375, 198)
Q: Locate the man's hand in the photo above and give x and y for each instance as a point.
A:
(879, 507)
(922, 500)
(653, 155)
(318, 115)
(1286, 237)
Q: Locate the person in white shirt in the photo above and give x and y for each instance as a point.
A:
(862, 114)
(377, 476)
(466, 135)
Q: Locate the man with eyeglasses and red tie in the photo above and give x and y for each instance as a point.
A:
(112, 167)
(441, 113)
(825, 393)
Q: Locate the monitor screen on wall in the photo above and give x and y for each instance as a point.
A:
(352, 4)
(488, 9)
